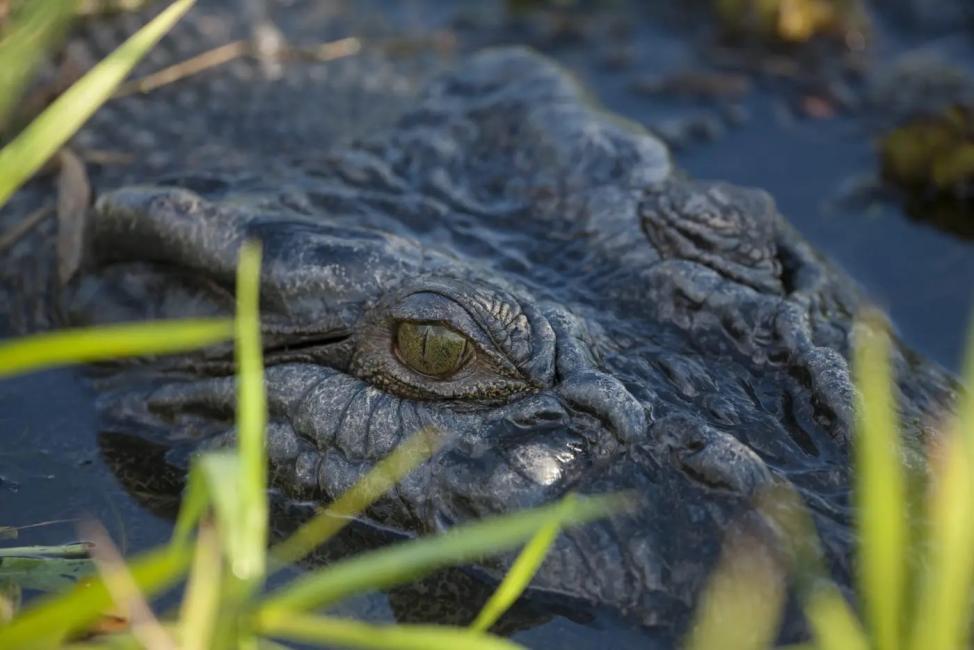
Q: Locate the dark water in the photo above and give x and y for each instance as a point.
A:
(50, 469)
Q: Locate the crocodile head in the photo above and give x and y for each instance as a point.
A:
(529, 276)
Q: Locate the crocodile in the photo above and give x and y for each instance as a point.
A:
(495, 257)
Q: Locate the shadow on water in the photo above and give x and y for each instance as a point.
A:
(746, 131)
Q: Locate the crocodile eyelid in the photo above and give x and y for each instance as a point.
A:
(451, 312)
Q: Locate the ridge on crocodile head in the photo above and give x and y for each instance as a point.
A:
(532, 277)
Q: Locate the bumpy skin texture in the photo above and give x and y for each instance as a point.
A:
(632, 329)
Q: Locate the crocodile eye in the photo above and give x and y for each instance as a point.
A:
(432, 350)
(444, 339)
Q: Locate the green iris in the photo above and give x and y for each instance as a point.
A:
(432, 350)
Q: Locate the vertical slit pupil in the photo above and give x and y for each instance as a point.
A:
(430, 349)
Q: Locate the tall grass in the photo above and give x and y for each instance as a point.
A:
(223, 600)
(219, 546)
(41, 139)
(919, 605)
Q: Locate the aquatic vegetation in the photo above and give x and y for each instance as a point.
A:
(792, 21)
(932, 153)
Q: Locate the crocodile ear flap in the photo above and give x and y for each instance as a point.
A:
(732, 230)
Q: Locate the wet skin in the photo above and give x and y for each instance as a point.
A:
(512, 267)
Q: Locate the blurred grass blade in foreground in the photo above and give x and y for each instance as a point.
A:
(200, 608)
(880, 491)
(378, 481)
(64, 347)
(34, 26)
(943, 614)
(519, 576)
(354, 634)
(41, 139)
(833, 622)
(220, 471)
(195, 500)
(129, 601)
(742, 604)
(249, 563)
(407, 561)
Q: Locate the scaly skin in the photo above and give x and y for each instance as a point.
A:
(631, 329)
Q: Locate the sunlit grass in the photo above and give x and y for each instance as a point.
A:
(219, 546)
(880, 490)
(834, 625)
(222, 601)
(331, 631)
(928, 608)
(742, 605)
(248, 563)
(406, 561)
(518, 578)
(31, 30)
(387, 472)
(27, 153)
(943, 605)
(200, 608)
(109, 342)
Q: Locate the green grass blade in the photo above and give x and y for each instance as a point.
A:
(121, 641)
(46, 623)
(880, 490)
(28, 152)
(196, 499)
(250, 562)
(742, 604)
(109, 342)
(400, 563)
(942, 615)
(221, 474)
(36, 25)
(353, 634)
(833, 624)
(942, 619)
(116, 641)
(201, 601)
(379, 480)
(518, 577)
